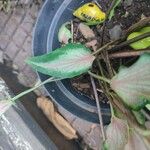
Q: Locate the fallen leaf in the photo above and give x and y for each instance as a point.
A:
(58, 121)
(90, 13)
(86, 31)
(92, 44)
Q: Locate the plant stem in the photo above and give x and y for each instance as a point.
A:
(103, 47)
(32, 89)
(142, 23)
(72, 31)
(112, 110)
(128, 42)
(99, 77)
(128, 53)
(99, 109)
(111, 46)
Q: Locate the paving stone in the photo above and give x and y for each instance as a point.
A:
(19, 37)
(30, 74)
(82, 126)
(23, 79)
(27, 46)
(3, 18)
(34, 11)
(4, 40)
(11, 51)
(19, 13)
(27, 27)
(1, 56)
(10, 27)
(28, 18)
(25, 2)
(20, 59)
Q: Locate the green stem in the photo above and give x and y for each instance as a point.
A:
(32, 89)
(112, 110)
(99, 77)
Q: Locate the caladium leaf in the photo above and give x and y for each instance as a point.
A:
(66, 62)
(133, 84)
(64, 33)
(117, 134)
(135, 142)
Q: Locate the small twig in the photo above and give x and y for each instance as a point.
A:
(51, 79)
(103, 48)
(138, 25)
(99, 77)
(72, 30)
(128, 42)
(128, 53)
(99, 109)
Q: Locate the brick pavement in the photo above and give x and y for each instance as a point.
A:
(15, 46)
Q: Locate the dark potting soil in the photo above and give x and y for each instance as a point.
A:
(127, 13)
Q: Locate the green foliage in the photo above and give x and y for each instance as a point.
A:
(133, 84)
(66, 62)
(139, 117)
(112, 12)
(141, 44)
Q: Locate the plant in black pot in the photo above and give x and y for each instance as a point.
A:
(126, 90)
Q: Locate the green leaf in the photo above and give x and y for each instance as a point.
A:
(66, 62)
(139, 117)
(135, 142)
(112, 12)
(133, 84)
(117, 134)
(64, 33)
(148, 106)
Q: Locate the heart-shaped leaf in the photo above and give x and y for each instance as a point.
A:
(66, 62)
(117, 134)
(133, 84)
(135, 142)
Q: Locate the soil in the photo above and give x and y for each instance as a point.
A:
(126, 14)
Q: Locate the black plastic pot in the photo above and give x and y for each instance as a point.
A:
(52, 15)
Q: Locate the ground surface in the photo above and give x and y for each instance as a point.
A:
(16, 29)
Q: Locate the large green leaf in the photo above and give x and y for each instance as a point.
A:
(133, 84)
(117, 134)
(66, 62)
(135, 142)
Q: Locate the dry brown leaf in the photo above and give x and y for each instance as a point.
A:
(86, 31)
(92, 44)
(59, 122)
